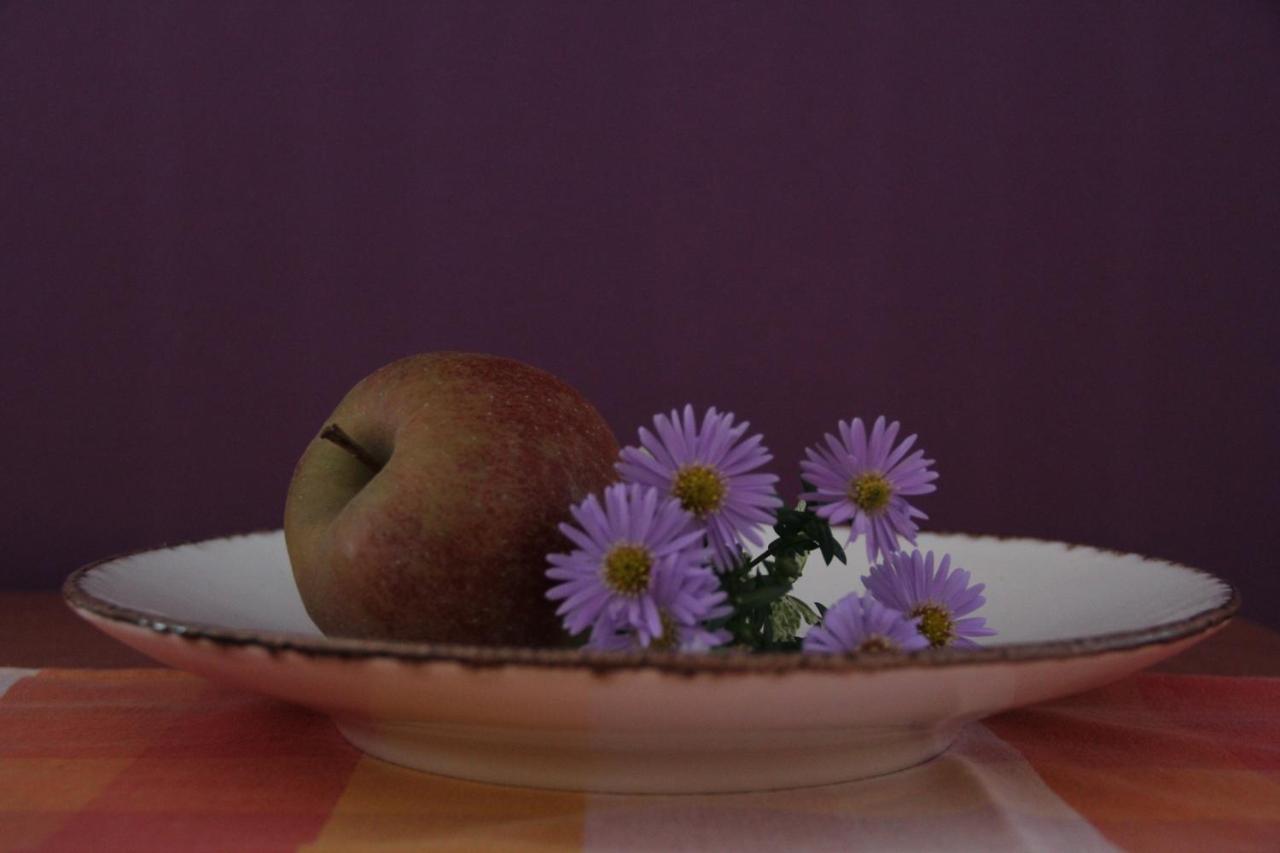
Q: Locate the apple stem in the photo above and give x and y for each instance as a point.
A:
(338, 436)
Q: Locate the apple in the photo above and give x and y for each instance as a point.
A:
(426, 506)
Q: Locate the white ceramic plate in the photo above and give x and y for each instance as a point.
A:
(1070, 618)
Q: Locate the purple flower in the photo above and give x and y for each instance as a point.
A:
(682, 629)
(937, 597)
(639, 567)
(867, 480)
(861, 624)
(708, 469)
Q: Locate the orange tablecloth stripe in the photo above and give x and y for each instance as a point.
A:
(112, 759)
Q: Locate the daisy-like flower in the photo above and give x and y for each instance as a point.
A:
(866, 481)
(639, 566)
(858, 623)
(937, 596)
(711, 470)
(683, 629)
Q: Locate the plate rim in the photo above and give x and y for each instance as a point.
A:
(353, 649)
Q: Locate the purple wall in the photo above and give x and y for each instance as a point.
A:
(1044, 235)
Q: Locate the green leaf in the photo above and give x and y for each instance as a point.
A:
(763, 595)
(790, 565)
(806, 612)
(786, 616)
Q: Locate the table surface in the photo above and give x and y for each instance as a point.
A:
(38, 630)
(148, 758)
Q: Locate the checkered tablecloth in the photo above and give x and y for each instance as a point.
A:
(157, 760)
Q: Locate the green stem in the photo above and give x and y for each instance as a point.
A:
(769, 552)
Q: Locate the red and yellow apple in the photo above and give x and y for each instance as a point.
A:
(425, 508)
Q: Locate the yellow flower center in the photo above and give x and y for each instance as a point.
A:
(877, 643)
(669, 640)
(936, 624)
(626, 569)
(870, 492)
(699, 488)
